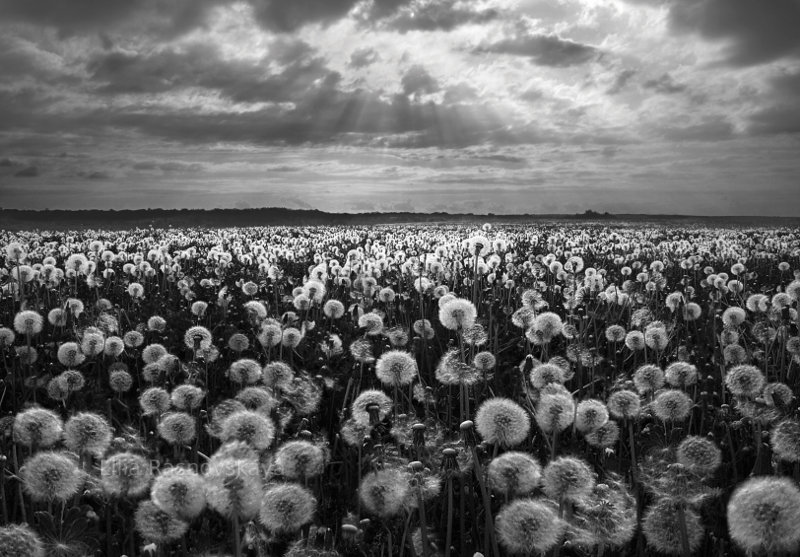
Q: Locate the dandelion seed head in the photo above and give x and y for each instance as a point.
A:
(28, 322)
(245, 371)
(672, 405)
(590, 415)
(648, 378)
(177, 428)
(604, 436)
(734, 354)
(133, 339)
(287, 507)
(278, 374)
(484, 361)
(196, 336)
(72, 379)
(154, 401)
(291, 337)
(528, 526)
(681, 374)
(87, 432)
(51, 476)
(514, 473)
(238, 342)
(233, 482)
(256, 309)
(397, 336)
(502, 421)
(256, 398)
(156, 525)
(372, 323)
(396, 368)
(785, 440)
(744, 380)
(7, 337)
(778, 394)
(333, 309)
(19, 540)
(199, 308)
(179, 492)
(270, 335)
(423, 328)
(187, 397)
(114, 347)
(543, 374)
(452, 371)
(156, 323)
(763, 514)
(661, 527)
(734, 317)
(555, 412)
(125, 474)
(153, 352)
(624, 404)
(568, 478)
(367, 398)
(458, 314)
(384, 492)
(300, 460)
(699, 455)
(656, 338)
(37, 427)
(615, 333)
(635, 341)
(249, 426)
(549, 324)
(69, 354)
(57, 389)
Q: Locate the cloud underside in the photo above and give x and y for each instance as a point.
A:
(88, 88)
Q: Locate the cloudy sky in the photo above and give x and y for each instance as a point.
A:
(504, 106)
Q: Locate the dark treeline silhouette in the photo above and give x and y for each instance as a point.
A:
(50, 218)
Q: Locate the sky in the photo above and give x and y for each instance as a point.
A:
(501, 106)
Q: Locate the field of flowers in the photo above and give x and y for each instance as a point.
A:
(559, 389)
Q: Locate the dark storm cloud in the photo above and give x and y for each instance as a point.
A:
(417, 81)
(621, 81)
(80, 16)
(461, 93)
(665, 85)
(167, 167)
(384, 8)
(317, 116)
(760, 31)
(28, 172)
(363, 57)
(438, 16)
(543, 50)
(782, 115)
(202, 66)
(710, 129)
(290, 15)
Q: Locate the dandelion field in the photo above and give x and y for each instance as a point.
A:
(418, 390)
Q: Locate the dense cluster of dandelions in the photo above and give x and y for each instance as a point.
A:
(424, 316)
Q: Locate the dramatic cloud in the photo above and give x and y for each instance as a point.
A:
(544, 50)
(363, 57)
(664, 84)
(439, 15)
(417, 81)
(756, 31)
(456, 105)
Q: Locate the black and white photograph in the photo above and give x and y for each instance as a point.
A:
(399, 278)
